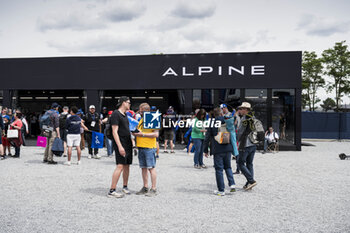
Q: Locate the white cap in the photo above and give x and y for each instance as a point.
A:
(245, 105)
(92, 106)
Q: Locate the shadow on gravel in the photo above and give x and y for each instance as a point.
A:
(35, 161)
(95, 191)
(195, 191)
(107, 162)
(187, 167)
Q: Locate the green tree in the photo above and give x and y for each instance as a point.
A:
(337, 60)
(328, 104)
(312, 79)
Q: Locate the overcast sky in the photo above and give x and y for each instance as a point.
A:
(46, 28)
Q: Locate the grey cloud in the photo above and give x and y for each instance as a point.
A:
(74, 21)
(124, 12)
(324, 27)
(305, 20)
(106, 43)
(328, 30)
(192, 10)
(263, 37)
(167, 24)
(197, 33)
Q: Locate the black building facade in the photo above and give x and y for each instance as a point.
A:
(270, 81)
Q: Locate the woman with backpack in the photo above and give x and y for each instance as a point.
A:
(198, 138)
(17, 142)
(222, 155)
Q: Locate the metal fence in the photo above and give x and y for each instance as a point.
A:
(325, 125)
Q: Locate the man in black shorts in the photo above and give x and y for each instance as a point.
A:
(122, 146)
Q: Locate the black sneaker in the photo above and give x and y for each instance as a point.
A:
(52, 162)
(45, 161)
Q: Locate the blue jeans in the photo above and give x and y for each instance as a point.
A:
(147, 157)
(198, 153)
(222, 162)
(245, 161)
(109, 144)
(17, 151)
(265, 144)
(237, 165)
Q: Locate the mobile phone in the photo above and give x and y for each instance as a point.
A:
(135, 131)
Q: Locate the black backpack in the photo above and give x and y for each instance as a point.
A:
(62, 121)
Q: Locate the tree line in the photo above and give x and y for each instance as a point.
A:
(333, 63)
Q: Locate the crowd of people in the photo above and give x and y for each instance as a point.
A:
(75, 129)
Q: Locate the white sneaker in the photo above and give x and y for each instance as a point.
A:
(89, 156)
(126, 190)
(97, 156)
(67, 163)
(218, 193)
(79, 162)
(115, 194)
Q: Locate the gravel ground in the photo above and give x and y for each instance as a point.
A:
(306, 191)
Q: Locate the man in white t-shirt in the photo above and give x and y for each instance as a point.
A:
(270, 137)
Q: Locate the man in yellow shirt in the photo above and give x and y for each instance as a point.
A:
(147, 144)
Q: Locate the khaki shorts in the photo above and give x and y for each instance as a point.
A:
(73, 139)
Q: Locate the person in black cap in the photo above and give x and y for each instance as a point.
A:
(122, 146)
(54, 126)
(104, 113)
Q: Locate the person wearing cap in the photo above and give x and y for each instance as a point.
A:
(225, 110)
(73, 124)
(104, 113)
(122, 146)
(54, 124)
(246, 147)
(93, 123)
(109, 142)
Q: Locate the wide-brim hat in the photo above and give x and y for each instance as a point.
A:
(245, 105)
